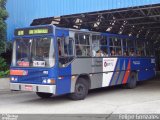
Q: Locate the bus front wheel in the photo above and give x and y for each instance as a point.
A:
(81, 90)
(132, 82)
(44, 95)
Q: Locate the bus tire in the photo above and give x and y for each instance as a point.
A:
(132, 81)
(81, 90)
(44, 95)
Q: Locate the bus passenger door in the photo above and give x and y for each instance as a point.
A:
(65, 56)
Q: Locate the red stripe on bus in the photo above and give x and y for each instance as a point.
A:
(127, 73)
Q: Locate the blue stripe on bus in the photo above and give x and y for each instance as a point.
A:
(112, 79)
(120, 71)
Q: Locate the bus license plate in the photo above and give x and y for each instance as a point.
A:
(28, 87)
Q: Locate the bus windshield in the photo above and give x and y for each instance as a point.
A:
(33, 52)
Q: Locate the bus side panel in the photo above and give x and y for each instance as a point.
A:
(146, 74)
(148, 69)
(85, 66)
(124, 64)
(145, 67)
(120, 71)
(112, 71)
(105, 71)
(112, 65)
(64, 80)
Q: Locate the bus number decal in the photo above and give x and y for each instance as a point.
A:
(39, 63)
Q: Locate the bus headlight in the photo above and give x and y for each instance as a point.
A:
(44, 81)
(51, 81)
(13, 79)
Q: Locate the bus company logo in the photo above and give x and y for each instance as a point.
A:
(106, 63)
(136, 62)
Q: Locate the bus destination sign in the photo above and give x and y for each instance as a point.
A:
(33, 31)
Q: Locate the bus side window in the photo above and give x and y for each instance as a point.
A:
(65, 50)
(68, 46)
(82, 45)
(104, 45)
(95, 45)
(128, 47)
(149, 49)
(125, 48)
(115, 46)
(140, 46)
(60, 46)
(99, 46)
(65, 46)
(131, 47)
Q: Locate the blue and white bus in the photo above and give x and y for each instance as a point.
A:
(51, 60)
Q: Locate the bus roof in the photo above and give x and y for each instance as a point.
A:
(50, 28)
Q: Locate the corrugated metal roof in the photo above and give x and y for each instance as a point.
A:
(141, 22)
(22, 12)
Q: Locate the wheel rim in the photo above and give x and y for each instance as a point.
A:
(80, 89)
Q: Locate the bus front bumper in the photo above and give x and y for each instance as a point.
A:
(33, 87)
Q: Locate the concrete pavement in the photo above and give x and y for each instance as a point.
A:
(4, 84)
(145, 98)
